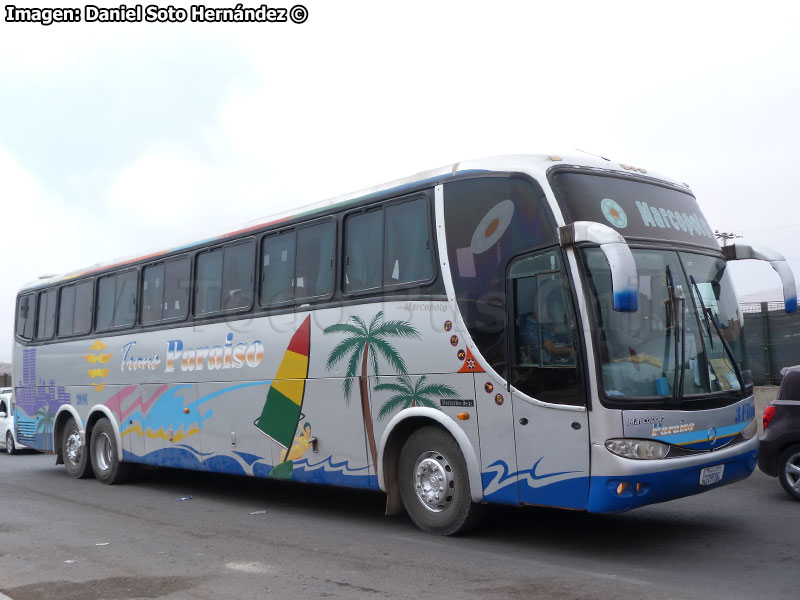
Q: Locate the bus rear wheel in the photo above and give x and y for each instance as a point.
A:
(105, 458)
(76, 459)
(434, 483)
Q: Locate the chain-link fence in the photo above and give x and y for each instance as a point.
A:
(773, 340)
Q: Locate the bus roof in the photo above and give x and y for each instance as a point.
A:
(535, 164)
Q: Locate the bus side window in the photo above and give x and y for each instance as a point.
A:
(152, 293)
(363, 234)
(209, 282)
(66, 309)
(314, 267)
(408, 254)
(106, 290)
(177, 280)
(25, 317)
(237, 276)
(82, 320)
(277, 268)
(45, 324)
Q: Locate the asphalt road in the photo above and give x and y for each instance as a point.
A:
(237, 538)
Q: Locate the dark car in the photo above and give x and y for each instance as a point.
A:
(780, 445)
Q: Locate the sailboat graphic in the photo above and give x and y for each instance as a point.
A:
(281, 412)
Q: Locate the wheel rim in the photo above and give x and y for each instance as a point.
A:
(433, 481)
(102, 451)
(792, 472)
(73, 447)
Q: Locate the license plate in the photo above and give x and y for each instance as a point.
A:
(711, 475)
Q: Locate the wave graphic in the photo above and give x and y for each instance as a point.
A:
(329, 466)
(501, 477)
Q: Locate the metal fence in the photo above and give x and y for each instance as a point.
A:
(5, 380)
(773, 340)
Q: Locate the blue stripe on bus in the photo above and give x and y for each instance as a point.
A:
(701, 436)
(663, 485)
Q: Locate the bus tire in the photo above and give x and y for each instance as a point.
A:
(788, 466)
(10, 449)
(434, 483)
(105, 459)
(76, 457)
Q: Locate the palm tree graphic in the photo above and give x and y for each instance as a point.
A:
(410, 394)
(45, 424)
(366, 343)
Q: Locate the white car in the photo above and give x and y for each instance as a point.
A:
(8, 436)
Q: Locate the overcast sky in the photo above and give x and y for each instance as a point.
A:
(120, 138)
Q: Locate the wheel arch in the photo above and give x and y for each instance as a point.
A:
(101, 411)
(63, 414)
(402, 425)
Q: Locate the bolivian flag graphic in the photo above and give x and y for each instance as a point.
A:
(281, 411)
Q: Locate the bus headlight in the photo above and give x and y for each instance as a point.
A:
(751, 429)
(638, 449)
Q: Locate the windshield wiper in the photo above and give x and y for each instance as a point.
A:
(728, 349)
(677, 392)
(706, 357)
(677, 329)
(710, 318)
(703, 306)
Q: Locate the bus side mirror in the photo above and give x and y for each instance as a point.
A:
(624, 281)
(776, 260)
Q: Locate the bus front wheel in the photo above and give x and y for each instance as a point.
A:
(434, 483)
(105, 458)
(76, 455)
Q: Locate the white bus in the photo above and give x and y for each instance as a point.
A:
(525, 330)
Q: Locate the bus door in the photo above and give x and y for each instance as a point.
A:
(548, 393)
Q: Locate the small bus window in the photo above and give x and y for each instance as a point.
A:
(152, 293)
(82, 321)
(237, 276)
(25, 317)
(277, 269)
(47, 315)
(363, 251)
(66, 310)
(176, 288)
(408, 254)
(125, 300)
(209, 282)
(314, 268)
(105, 302)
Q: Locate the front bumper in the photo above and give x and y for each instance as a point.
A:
(607, 495)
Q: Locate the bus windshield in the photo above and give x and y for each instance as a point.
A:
(686, 337)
